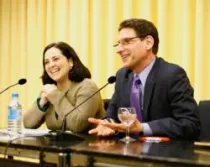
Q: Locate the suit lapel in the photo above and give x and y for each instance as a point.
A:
(149, 88)
(129, 80)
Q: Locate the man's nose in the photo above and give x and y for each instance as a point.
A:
(120, 48)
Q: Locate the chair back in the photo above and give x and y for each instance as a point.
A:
(204, 112)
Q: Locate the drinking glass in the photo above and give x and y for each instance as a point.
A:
(127, 115)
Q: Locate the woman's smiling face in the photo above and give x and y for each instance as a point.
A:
(57, 65)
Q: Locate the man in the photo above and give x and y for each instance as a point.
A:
(166, 102)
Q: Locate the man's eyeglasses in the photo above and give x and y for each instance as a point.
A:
(125, 41)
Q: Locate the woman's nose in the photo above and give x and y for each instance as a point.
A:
(51, 64)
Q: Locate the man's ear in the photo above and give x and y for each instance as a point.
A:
(149, 41)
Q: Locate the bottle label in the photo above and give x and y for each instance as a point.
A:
(14, 114)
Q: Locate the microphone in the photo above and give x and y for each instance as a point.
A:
(61, 134)
(21, 81)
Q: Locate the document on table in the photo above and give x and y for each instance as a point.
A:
(6, 135)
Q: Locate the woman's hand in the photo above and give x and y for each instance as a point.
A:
(47, 89)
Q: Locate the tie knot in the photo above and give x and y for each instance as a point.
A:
(137, 81)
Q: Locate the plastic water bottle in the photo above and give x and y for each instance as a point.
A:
(14, 115)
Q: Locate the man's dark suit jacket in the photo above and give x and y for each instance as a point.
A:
(168, 105)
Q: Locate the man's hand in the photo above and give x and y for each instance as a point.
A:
(100, 129)
(136, 127)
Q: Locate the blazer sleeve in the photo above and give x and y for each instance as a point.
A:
(184, 122)
(33, 117)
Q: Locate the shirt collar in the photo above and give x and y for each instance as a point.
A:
(144, 74)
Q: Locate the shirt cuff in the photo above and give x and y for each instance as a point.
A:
(44, 108)
(147, 131)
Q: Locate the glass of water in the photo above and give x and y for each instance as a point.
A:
(127, 115)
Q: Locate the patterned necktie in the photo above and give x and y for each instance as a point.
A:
(135, 97)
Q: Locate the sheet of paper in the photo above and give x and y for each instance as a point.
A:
(5, 135)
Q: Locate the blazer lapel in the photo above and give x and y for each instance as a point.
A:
(129, 80)
(149, 88)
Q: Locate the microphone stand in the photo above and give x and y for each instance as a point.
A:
(61, 134)
(8, 88)
(63, 125)
(20, 82)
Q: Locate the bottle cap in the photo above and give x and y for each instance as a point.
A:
(14, 94)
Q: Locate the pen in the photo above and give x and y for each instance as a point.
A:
(154, 139)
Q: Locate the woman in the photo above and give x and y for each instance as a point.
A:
(66, 84)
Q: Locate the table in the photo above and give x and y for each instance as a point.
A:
(41, 148)
(108, 152)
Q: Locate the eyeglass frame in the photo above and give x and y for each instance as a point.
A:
(129, 39)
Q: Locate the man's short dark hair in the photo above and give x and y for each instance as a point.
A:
(142, 28)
